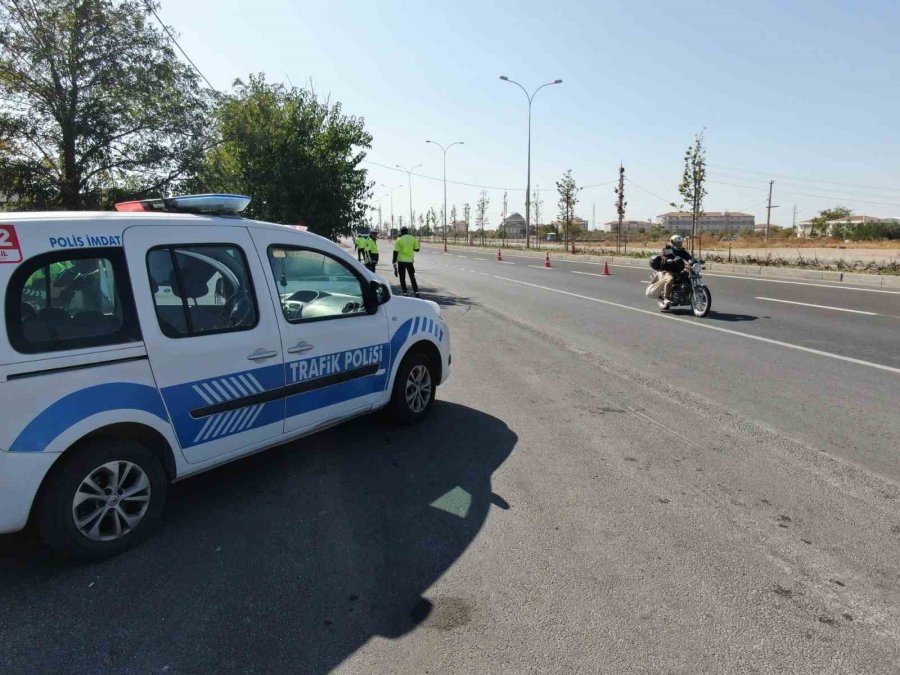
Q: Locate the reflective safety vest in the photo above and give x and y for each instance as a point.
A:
(371, 245)
(406, 246)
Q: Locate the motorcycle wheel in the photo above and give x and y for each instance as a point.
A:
(701, 305)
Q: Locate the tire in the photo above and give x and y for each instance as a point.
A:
(109, 525)
(702, 309)
(408, 406)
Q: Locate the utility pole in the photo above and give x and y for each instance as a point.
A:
(620, 207)
(769, 208)
(794, 219)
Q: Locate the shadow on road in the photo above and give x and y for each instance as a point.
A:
(288, 561)
(725, 316)
(440, 296)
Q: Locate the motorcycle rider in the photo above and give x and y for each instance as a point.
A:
(675, 257)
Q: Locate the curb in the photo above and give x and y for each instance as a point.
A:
(874, 280)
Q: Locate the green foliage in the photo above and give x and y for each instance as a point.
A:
(693, 182)
(820, 222)
(95, 104)
(869, 231)
(568, 198)
(296, 156)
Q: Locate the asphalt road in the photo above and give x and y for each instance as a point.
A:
(599, 489)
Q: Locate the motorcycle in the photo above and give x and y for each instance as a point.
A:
(689, 289)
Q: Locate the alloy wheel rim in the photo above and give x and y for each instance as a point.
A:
(418, 388)
(111, 501)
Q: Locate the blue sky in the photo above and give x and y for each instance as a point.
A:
(799, 92)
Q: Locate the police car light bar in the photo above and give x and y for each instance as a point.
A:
(212, 203)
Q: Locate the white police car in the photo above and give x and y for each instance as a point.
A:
(171, 336)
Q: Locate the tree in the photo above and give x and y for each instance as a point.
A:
(431, 222)
(481, 208)
(296, 156)
(453, 222)
(94, 102)
(693, 183)
(820, 225)
(467, 217)
(536, 204)
(568, 198)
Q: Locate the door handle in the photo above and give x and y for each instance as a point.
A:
(300, 347)
(262, 354)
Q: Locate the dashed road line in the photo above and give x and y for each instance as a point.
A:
(808, 304)
(698, 324)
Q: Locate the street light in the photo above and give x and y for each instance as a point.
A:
(391, 188)
(530, 98)
(444, 150)
(409, 177)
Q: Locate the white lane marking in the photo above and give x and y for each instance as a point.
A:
(594, 274)
(669, 317)
(541, 267)
(462, 256)
(484, 274)
(748, 277)
(504, 262)
(808, 304)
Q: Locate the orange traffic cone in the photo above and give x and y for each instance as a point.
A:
(499, 255)
(445, 247)
(547, 261)
(606, 268)
(573, 248)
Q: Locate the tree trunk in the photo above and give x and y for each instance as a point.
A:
(70, 179)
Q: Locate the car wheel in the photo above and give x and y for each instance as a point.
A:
(414, 389)
(103, 499)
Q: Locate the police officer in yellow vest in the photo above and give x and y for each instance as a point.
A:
(371, 250)
(360, 242)
(405, 249)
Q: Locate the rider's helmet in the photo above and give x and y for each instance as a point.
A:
(677, 241)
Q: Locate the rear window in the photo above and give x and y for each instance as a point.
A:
(70, 300)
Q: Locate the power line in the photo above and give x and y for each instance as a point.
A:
(652, 194)
(183, 53)
(839, 193)
(850, 200)
(455, 182)
(804, 180)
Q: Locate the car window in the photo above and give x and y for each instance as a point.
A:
(314, 286)
(63, 301)
(201, 290)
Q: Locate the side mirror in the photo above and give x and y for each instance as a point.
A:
(376, 294)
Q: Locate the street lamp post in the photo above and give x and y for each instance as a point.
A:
(391, 188)
(444, 150)
(409, 178)
(530, 98)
